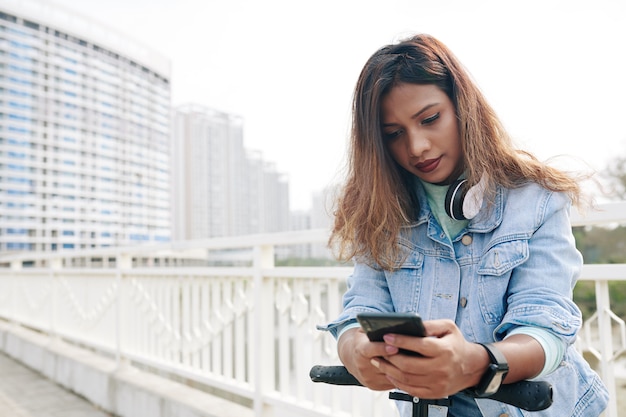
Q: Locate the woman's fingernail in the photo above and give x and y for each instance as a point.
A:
(392, 350)
(389, 338)
(375, 363)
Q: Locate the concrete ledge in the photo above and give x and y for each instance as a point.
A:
(126, 392)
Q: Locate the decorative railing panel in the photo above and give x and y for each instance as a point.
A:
(246, 330)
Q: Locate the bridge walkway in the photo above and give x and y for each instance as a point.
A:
(26, 393)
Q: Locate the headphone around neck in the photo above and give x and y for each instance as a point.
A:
(463, 202)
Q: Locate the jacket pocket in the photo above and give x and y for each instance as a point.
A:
(503, 257)
(406, 280)
(494, 272)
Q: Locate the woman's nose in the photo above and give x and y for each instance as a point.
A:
(417, 144)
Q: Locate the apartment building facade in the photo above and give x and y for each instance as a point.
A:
(84, 133)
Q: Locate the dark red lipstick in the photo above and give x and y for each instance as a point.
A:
(428, 165)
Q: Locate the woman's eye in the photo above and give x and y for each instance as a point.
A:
(392, 135)
(430, 119)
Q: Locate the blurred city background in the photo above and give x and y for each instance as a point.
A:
(164, 212)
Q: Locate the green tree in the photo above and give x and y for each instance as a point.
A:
(604, 245)
(616, 176)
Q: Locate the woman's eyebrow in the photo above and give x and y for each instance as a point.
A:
(423, 110)
(416, 115)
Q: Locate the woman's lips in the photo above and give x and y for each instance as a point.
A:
(428, 165)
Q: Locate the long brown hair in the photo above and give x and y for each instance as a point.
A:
(377, 199)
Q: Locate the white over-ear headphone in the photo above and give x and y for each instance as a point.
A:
(462, 203)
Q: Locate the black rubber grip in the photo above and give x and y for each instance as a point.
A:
(527, 395)
(335, 375)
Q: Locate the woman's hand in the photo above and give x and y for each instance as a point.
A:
(448, 363)
(356, 352)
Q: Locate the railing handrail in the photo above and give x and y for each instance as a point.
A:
(613, 212)
(176, 248)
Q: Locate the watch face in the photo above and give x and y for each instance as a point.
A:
(495, 383)
(491, 381)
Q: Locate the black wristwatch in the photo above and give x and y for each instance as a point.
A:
(495, 373)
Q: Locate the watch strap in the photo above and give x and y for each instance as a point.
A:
(496, 357)
(495, 372)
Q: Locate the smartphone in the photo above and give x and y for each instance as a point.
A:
(376, 325)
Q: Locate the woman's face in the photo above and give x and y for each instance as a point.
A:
(421, 131)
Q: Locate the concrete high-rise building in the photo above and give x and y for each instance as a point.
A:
(84, 133)
(207, 173)
(218, 187)
(267, 196)
(300, 220)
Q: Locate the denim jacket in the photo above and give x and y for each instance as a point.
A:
(515, 264)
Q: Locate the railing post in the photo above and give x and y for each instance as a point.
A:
(56, 265)
(264, 329)
(15, 266)
(605, 330)
(123, 261)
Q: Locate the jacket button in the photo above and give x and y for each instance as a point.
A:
(466, 240)
(503, 415)
(463, 302)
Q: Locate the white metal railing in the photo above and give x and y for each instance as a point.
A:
(247, 329)
(597, 334)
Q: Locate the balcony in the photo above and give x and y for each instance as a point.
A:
(217, 318)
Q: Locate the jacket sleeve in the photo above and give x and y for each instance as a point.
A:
(367, 292)
(540, 290)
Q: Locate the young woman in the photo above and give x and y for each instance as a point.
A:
(444, 217)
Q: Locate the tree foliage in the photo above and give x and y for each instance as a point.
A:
(600, 245)
(604, 245)
(616, 175)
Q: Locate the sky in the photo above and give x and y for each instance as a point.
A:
(555, 71)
